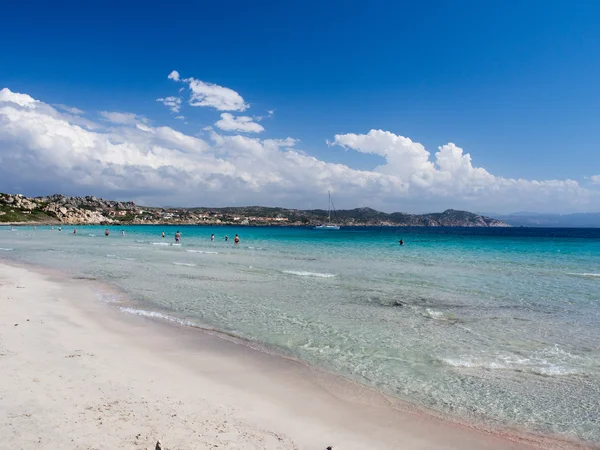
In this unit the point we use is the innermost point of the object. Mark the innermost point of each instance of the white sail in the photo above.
(328, 225)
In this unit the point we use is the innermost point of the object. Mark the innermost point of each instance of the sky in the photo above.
(401, 106)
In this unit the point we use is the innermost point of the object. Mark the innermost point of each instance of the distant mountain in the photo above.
(528, 219)
(89, 210)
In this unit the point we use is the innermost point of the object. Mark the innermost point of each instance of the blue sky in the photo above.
(514, 84)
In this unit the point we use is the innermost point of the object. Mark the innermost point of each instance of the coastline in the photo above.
(249, 392)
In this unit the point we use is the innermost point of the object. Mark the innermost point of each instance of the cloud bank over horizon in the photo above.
(46, 149)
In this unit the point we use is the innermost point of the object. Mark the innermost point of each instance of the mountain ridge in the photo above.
(57, 208)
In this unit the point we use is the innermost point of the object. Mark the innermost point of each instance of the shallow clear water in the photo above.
(490, 325)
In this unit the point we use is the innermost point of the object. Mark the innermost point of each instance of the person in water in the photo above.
(212, 237)
(401, 241)
(122, 232)
(226, 238)
(74, 230)
(106, 232)
(177, 237)
(236, 239)
(163, 234)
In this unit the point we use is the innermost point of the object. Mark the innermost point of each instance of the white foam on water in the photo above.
(433, 314)
(301, 273)
(157, 315)
(91, 235)
(184, 264)
(585, 274)
(202, 251)
(160, 243)
(6, 249)
(548, 362)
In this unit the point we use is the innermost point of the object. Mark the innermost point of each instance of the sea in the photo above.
(492, 326)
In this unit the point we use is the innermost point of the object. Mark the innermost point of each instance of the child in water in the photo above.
(177, 237)
(236, 239)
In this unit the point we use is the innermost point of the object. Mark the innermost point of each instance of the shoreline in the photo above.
(369, 416)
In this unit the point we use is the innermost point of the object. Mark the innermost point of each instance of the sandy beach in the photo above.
(78, 373)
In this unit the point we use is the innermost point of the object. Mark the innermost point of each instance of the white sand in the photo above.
(79, 374)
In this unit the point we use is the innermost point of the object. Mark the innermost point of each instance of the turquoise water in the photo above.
(494, 326)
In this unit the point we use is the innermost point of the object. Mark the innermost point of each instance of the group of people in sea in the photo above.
(236, 238)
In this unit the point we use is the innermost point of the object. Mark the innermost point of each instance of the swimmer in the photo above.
(177, 237)
(401, 242)
(212, 237)
(163, 234)
(226, 238)
(236, 239)
(74, 230)
(122, 232)
(59, 228)
(106, 232)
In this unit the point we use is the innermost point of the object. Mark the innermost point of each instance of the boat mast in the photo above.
(329, 211)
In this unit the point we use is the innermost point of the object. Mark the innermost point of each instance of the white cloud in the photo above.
(595, 179)
(123, 118)
(244, 124)
(69, 109)
(209, 94)
(44, 150)
(180, 117)
(173, 103)
(24, 100)
(215, 96)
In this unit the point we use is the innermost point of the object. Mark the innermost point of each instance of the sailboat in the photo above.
(328, 225)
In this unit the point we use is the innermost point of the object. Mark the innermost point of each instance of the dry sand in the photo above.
(79, 374)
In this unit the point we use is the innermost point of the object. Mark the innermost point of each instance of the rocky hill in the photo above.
(15, 208)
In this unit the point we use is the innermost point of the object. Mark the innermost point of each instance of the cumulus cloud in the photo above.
(595, 179)
(46, 150)
(7, 96)
(173, 103)
(180, 117)
(174, 76)
(245, 124)
(123, 118)
(212, 95)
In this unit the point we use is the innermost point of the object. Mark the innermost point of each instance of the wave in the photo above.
(202, 251)
(91, 235)
(547, 362)
(160, 243)
(301, 273)
(184, 264)
(585, 274)
(6, 249)
(157, 315)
